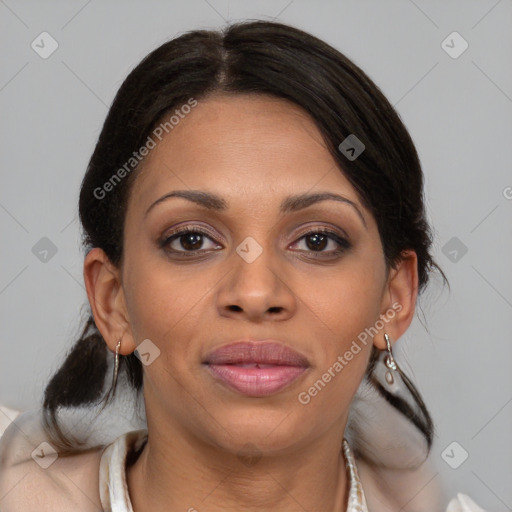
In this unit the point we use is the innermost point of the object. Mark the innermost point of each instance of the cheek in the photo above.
(342, 331)
(345, 304)
(346, 299)
(342, 353)
(164, 302)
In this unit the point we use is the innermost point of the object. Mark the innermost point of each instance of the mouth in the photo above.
(256, 369)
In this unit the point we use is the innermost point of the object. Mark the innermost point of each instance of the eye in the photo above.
(187, 240)
(318, 239)
(190, 240)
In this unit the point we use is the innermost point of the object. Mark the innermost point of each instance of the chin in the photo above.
(268, 429)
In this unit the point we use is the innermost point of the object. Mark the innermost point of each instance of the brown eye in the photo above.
(190, 239)
(319, 239)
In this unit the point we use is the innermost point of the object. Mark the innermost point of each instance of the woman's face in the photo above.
(255, 275)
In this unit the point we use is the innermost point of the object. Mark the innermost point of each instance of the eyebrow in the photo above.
(288, 205)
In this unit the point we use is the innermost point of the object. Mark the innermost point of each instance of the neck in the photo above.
(179, 474)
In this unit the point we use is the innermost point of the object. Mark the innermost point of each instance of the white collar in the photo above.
(114, 493)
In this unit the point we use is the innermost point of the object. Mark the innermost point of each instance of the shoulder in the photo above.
(388, 490)
(417, 490)
(33, 477)
(463, 503)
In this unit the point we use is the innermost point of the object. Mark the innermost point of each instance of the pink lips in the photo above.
(256, 368)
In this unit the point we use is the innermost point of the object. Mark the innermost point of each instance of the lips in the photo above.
(256, 368)
(264, 352)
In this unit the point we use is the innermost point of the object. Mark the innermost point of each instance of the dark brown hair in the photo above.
(251, 57)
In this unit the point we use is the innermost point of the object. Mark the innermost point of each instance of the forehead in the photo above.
(250, 148)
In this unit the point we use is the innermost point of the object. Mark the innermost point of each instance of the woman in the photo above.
(256, 240)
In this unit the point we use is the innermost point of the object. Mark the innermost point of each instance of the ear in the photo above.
(106, 297)
(399, 298)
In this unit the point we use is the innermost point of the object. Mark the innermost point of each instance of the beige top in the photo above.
(114, 489)
(115, 497)
(89, 481)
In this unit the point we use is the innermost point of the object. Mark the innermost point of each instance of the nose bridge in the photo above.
(254, 284)
(254, 265)
(255, 242)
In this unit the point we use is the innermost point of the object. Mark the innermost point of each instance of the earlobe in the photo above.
(106, 297)
(399, 299)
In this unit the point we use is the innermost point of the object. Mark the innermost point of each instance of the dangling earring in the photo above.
(388, 422)
(385, 373)
(110, 395)
(114, 376)
(116, 365)
(390, 362)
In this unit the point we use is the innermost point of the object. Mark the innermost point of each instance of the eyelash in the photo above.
(331, 235)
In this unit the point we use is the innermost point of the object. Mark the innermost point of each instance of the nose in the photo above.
(257, 290)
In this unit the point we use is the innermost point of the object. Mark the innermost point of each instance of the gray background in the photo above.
(458, 111)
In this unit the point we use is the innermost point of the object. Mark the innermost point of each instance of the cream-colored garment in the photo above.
(115, 497)
(82, 482)
(114, 493)
(7, 415)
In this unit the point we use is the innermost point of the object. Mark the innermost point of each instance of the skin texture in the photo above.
(253, 151)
